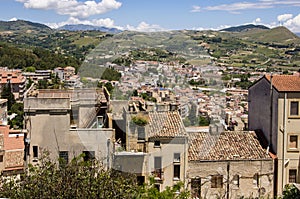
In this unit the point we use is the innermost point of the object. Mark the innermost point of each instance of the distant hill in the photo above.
(22, 26)
(298, 34)
(83, 27)
(244, 28)
(278, 35)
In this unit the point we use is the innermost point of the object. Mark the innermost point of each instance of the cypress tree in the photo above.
(7, 94)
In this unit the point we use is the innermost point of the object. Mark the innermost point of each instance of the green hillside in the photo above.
(278, 35)
(22, 26)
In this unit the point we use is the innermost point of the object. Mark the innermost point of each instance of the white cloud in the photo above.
(244, 5)
(196, 9)
(293, 24)
(284, 17)
(107, 22)
(257, 21)
(238, 6)
(13, 19)
(144, 27)
(73, 8)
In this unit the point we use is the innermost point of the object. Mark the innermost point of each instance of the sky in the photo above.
(156, 15)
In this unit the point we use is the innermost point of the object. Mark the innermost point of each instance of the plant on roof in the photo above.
(140, 119)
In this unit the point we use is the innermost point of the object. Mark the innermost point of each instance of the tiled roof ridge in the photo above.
(288, 83)
(165, 124)
(229, 145)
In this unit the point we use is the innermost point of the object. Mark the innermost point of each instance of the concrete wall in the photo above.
(166, 152)
(244, 169)
(259, 117)
(48, 125)
(143, 163)
(31, 104)
(287, 125)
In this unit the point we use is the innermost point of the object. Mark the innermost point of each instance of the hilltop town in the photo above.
(218, 114)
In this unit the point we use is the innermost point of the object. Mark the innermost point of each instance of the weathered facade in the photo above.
(11, 150)
(155, 149)
(67, 123)
(228, 165)
(274, 111)
(17, 82)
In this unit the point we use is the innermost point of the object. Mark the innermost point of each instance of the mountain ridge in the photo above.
(84, 27)
(244, 28)
(19, 25)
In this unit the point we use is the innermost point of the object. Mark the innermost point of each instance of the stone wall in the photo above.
(245, 185)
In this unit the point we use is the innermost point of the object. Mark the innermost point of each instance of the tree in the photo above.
(291, 192)
(7, 94)
(203, 121)
(17, 121)
(78, 179)
(81, 179)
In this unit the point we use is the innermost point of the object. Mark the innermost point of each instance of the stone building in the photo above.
(67, 123)
(11, 151)
(274, 111)
(228, 165)
(156, 148)
(11, 145)
(17, 82)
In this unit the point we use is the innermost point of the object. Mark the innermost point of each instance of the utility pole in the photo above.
(228, 180)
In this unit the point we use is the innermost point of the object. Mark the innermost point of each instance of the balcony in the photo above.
(158, 175)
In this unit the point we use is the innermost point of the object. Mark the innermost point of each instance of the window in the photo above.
(217, 181)
(88, 155)
(292, 176)
(176, 157)
(256, 180)
(293, 142)
(158, 167)
(156, 143)
(294, 108)
(176, 172)
(236, 180)
(141, 133)
(35, 151)
(64, 155)
(1, 158)
(196, 187)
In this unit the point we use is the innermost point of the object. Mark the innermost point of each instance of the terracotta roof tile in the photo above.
(226, 146)
(11, 142)
(288, 83)
(165, 124)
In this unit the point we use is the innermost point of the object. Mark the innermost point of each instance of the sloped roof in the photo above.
(165, 124)
(11, 141)
(228, 145)
(285, 83)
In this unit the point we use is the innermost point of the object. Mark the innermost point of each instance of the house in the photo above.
(16, 80)
(230, 164)
(38, 75)
(11, 151)
(156, 145)
(274, 111)
(68, 123)
(11, 145)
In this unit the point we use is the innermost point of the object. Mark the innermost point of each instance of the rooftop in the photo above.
(229, 145)
(166, 124)
(287, 83)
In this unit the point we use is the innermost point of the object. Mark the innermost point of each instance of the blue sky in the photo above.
(155, 15)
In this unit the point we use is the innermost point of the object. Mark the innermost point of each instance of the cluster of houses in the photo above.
(254, 152)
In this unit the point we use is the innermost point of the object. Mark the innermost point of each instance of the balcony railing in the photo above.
(158, 174)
